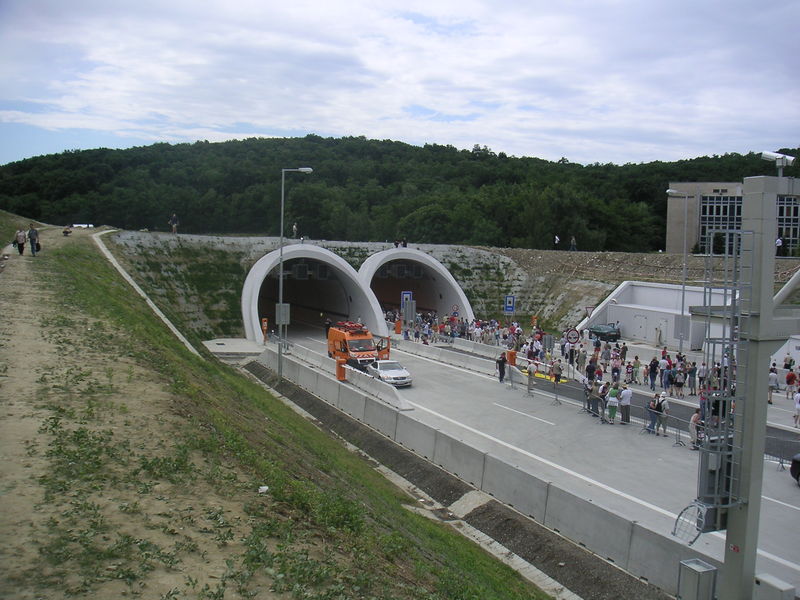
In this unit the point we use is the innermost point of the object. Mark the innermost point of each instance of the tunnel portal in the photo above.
(317, 284)
(391, 272)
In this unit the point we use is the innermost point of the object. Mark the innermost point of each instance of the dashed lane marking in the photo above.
(519, 412)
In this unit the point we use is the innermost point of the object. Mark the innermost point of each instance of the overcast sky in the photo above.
(604, 81)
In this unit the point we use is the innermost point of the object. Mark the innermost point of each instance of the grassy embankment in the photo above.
(163, 502)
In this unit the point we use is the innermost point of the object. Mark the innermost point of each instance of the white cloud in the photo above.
(617, 81)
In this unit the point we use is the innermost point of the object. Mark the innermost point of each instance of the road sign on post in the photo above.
(410, 312)
(573, 337)
(282, 314)
(510, 304)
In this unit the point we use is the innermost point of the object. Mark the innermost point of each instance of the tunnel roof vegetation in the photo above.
(364, 190)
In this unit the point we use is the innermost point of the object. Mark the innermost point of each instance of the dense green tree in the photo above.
(364, 189)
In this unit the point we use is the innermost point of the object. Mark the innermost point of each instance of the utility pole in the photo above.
(767, 327)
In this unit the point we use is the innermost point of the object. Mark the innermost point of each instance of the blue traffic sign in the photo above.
(510, 304)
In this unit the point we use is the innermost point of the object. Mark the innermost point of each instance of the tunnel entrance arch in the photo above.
(316, 282)
(397, 270)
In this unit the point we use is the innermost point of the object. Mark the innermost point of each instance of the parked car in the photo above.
(607, 333)
(389, 371)
(795, 468)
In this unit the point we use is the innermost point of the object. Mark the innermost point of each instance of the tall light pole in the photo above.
(677, 194)
(281, 312)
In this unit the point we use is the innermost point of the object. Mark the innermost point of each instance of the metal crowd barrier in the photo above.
(781, 450)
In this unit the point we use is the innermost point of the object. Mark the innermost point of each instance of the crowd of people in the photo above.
(606, 369)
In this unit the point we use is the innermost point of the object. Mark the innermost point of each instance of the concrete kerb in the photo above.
(513, 486)
(415, 436)
(459, 458)
(592, 526)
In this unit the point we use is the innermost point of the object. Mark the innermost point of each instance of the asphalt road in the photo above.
(642, 477)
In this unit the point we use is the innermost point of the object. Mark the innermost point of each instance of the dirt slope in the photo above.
(72, 399)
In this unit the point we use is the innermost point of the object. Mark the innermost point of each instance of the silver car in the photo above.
(389, 371)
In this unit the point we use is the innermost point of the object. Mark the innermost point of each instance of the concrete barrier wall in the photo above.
(478, 348)
(457, 359)
(328, 389)
(352, 401)
(377, 388)
(415, 436)
(511, 485)
(655, 557)
(308, 379)
(459, 458)
(593, 526)
(381, 417)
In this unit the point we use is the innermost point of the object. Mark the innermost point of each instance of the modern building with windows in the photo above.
(715, 206)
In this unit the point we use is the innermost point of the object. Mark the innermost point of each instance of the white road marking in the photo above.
(781, 503)
(591, 481)
(519, 412)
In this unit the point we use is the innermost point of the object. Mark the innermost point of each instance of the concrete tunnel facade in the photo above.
(317, 281)
(397, 270)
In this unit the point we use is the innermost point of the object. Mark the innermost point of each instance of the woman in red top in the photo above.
(791, 383)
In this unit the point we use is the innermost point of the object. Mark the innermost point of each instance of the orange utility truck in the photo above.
(354, 343)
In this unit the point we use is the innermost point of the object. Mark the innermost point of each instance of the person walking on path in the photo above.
(33, 238)
(773, 383)
(173, 222)
(558, 369)
(653, 373)
(501, 366)
(19, 241)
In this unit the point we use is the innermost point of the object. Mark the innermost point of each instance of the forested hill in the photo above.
(363, 190)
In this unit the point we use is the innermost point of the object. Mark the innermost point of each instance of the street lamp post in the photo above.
(676, 193)
(281, 315)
